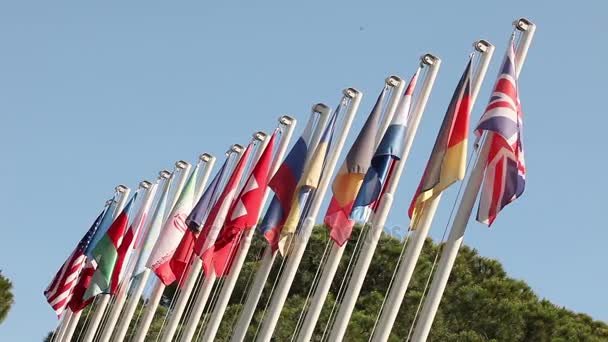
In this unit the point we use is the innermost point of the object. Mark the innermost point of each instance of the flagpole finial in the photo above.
(236, 148)
(164, 174)
(205, 157)
(482, 45)
(180, 164)
(286, 120)
(145, 184)
(321, 108)
(428, 59)
(351, 93)
(523, 24)
(122, 188)
(259, 136)
(393, 81)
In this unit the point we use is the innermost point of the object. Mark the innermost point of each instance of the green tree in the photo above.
(6, 296)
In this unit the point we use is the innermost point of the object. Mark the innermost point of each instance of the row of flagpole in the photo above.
(200, 292)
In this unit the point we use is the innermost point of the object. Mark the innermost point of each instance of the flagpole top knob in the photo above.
(286, 120)
(122, 188)
(523, 24)
(393, 81)
(351, 93)
(206, 157)
(236, 148)
(428, 59)
(180, 164)
(259, 136)
(482, 45)
(164, 174)
(321, 108)
(145, 184)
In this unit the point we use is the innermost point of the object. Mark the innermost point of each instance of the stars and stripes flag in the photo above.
(242, 216)
(447, 163)
(505, 170)
(59, 291)
(283, 184)
(350, 176)
(389, 152)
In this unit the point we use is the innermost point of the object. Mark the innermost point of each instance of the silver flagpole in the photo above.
(419, 233)
(102, 303)
(333, 259)
(159, 287)
(379, 219)
(241, 253)
(459, 225)
(301, 239)
(133, 299)
(202, 294)
(268, 257)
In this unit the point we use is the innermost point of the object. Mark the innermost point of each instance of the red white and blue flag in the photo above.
(505, 172)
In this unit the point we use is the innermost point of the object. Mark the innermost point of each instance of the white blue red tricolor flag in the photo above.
(505, 172)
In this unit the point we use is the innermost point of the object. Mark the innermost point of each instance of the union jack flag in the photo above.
(505, 170)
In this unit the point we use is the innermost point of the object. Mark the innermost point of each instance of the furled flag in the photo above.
(306, 186)
(59, 291)
(126, 246)
(447, 163)
(242, 215)
(505, 170)
(156, 223)
(284, 183)
(183, 254)
(350, 176)
(389, 151)
(105, 253)
(172, 232)
(217, 215)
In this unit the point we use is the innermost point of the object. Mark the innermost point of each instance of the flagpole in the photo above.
(452, 245)
(245, 243)
(202, 294)
(378, 221)
(301, 239)
(159, 287)
(419, 233)
(265, 264)
(333, 259)
(133, 297)
(65, 321)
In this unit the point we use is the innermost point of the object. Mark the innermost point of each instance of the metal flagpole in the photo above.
(243, 248)
(369, 244)
(333, 259)
(142, 279)
(419, 233)
(202, 294)
(65, 321)
(268, 257)
(105, 298)
(159, 287)
(452, 245)
(301, 239)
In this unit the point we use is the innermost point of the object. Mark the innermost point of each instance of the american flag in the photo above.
(505, 173)
(59, 292)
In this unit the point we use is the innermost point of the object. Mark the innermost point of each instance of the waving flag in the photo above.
(59, 291)
(181, 258)
(243, 215)
(284, 183)
(350, 176)
(505, 172)
(306, 187)
(447, 163)
(388, 152)
(173, 230)
(105, 253)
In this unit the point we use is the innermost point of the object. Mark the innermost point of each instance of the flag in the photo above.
(242, 216)
(105, 223)
(181, 258)
(389, 151)
(306, 186)
(284, 183)
(447, 163)
(105, 253)
(217, 215)
(350, 176)
(505, 170)
(59, 291)
(156, 223)
(172, 232)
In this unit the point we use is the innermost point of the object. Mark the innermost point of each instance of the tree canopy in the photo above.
(6, 296)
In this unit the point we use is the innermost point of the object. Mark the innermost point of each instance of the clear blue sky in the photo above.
(96, 95)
